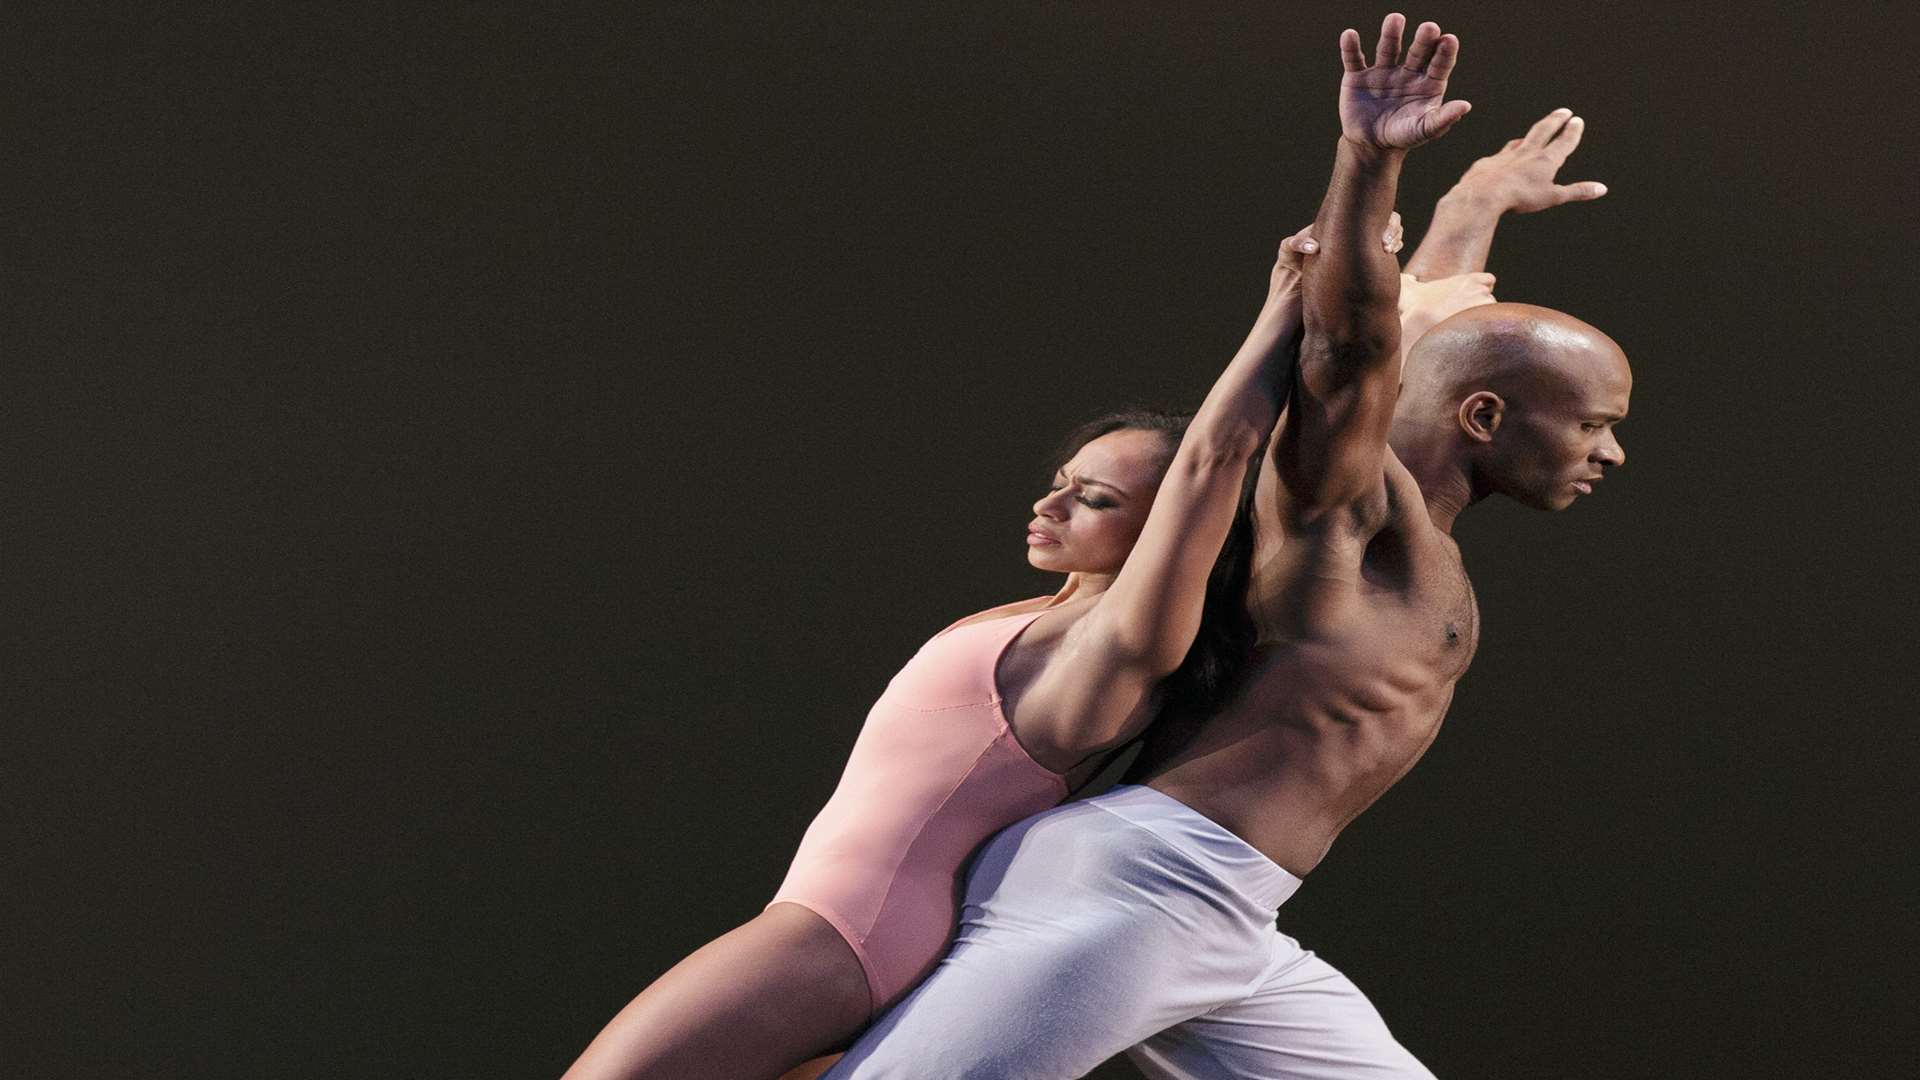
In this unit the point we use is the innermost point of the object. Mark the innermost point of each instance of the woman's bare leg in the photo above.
(812, 1070)
(751, 1004)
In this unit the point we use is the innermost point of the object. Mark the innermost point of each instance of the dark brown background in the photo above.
(469, 472)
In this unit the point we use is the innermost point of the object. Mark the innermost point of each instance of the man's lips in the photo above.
(1585, 487)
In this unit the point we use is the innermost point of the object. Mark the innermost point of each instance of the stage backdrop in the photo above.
(471, 468)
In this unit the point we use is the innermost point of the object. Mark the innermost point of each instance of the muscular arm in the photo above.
(1329, 455)
(1329, 452)
(1518, 179)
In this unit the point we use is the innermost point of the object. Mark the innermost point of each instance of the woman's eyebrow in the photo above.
(1088, 481)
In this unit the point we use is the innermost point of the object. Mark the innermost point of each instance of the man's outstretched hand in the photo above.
(1396, 103)
(1519, 179)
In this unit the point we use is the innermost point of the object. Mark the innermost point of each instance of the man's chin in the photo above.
(1534, 500)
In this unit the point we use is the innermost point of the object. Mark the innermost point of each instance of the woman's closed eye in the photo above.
(1092, 504)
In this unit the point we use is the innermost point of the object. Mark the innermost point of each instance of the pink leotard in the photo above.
(934, 772)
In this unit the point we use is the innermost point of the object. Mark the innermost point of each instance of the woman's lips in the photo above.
(1036, 538)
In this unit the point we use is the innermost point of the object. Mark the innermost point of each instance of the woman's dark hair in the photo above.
(1205, 678)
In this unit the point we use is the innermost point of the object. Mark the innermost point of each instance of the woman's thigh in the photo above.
(752, 1003)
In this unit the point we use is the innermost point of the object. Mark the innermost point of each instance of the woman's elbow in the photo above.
(1223, 447)
(1148, 656)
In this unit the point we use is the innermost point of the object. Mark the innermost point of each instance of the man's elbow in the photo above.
(1354, 318)
(1351, 345)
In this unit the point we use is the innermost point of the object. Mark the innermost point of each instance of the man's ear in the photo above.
(1480, 415)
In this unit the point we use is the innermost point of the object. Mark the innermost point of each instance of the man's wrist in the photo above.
(1369, 154)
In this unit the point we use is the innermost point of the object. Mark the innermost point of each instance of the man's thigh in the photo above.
(1078, 939)
(1029, 1005)
(1305, 1021)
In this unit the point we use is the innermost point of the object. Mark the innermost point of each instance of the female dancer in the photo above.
(991, 721)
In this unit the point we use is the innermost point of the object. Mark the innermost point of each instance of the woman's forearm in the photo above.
(1247, 400)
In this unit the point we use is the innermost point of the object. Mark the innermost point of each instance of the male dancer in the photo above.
(1150, 909)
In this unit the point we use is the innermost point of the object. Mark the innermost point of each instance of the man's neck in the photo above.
(1437, 465)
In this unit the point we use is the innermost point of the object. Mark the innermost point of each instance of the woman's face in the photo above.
(1088, 520)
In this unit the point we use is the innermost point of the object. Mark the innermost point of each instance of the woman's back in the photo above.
(935, 771)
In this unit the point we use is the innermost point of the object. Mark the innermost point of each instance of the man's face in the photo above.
(1562, 444)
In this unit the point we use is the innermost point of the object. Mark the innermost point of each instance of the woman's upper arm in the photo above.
(1151, 612)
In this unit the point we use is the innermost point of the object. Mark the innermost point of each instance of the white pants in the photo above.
(1127, 919)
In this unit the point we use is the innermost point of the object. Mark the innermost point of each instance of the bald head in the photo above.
(1524, 398)
(1518, 351)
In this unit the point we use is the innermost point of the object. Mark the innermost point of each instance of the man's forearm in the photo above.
(1460, 236)
(1352, 286)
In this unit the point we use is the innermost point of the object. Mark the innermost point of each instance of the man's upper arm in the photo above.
(1330, 451)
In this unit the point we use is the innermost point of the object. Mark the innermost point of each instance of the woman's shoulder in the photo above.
(1004, 611)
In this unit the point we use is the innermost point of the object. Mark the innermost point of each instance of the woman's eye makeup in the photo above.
(1095, 504)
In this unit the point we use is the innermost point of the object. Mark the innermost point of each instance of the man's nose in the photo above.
(1611, 453)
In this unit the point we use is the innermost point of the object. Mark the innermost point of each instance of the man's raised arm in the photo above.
(1331, 449)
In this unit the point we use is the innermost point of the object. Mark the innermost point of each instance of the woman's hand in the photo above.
(1425, 304)
(1519, 178)
(1285, 280)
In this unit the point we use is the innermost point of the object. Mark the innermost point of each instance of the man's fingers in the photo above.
(1438, 122)
(1351, 58)
(1421, 51)
(1544, 129)
(1387, 52)
(1581, 192)
(1564, 143)
(1445, 53)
